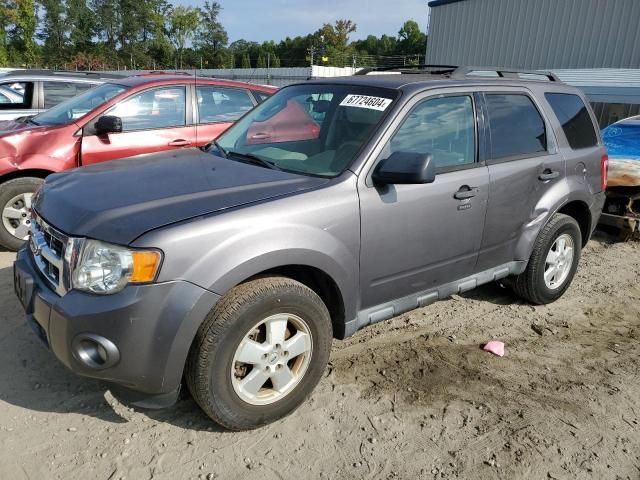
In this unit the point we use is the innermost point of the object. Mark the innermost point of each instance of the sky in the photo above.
(260, 20)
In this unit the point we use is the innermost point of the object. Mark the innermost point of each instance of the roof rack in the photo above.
(463, 72)
(66, 73)
(456, 72)
(431, 69)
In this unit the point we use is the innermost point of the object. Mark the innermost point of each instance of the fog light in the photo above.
(94, 351)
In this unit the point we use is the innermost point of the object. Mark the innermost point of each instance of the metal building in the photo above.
(592, 44)
(535, 34)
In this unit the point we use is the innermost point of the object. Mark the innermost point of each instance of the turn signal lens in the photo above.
(145, 266)
(605, 171)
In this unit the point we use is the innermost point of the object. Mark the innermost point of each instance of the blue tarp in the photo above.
(622, 139)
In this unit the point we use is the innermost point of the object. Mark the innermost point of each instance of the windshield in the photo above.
(308, 129)
(78, 106)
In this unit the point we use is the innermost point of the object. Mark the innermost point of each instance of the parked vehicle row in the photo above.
(29, 92)
(122, 117)
(622, 208)
(332, 205)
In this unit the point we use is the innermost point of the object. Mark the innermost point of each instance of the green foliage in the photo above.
(211, 37)
(246, 61)
(183, 24)
(156, 34)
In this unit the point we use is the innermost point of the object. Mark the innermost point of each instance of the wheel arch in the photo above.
(321, 283)
(580, 212)
(27, 172)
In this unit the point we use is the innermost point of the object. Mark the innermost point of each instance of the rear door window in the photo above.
(17, 95)
(574, 118)
(516, 126)
(219, 104)
(58, 92)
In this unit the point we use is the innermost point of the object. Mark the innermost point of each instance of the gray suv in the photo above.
(333, 205)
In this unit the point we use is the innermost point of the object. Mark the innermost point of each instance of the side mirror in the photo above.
(405, 168)
(108, 124)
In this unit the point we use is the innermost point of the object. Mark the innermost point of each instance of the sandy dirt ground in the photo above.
(411, 398)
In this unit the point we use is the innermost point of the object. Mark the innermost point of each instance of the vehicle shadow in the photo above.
(33, 379)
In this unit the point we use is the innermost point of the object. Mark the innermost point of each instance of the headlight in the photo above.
(105, 269)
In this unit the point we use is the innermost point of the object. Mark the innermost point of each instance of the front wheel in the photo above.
(15, 204)
(553, 262)
(260, 352)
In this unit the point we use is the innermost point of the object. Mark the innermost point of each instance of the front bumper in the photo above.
(152, 327)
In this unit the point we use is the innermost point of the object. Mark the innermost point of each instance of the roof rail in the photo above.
(421, 68)
(463, 72)
(455, 72)
(69, 73)
(162, 72)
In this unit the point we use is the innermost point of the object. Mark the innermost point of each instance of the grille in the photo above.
(48, 247)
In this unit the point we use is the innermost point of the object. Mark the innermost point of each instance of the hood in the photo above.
(16, 125)
(120, 200)
(13, 125)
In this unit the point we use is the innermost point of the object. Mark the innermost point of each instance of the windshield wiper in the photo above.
(32, 121)
(251, 158)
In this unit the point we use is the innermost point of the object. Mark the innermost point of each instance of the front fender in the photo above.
(319, 229)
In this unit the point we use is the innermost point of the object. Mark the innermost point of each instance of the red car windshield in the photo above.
(79, 106)
(309, 129)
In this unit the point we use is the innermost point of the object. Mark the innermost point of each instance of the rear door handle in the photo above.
(465, 192)
(181, 142)
(548, 174)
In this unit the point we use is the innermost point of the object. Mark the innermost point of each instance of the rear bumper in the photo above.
(150, 326)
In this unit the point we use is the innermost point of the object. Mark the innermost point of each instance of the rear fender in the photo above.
(560, 194)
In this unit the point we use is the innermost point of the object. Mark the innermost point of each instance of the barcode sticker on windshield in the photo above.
(365, 101)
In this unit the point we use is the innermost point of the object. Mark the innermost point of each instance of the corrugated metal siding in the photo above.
(536, 34)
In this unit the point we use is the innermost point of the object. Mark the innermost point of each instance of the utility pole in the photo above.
(268, 68)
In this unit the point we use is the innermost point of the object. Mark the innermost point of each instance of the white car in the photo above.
(28, 92)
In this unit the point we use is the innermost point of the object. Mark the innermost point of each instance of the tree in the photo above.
(81, 23)
(211, 37)
(246, 61)
(411, 40)
(183, 25)
(107, 17)
(21, 22)
(53, 31)
(275, 61)
(261, 62)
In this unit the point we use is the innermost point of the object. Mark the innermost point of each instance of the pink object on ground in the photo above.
(495, 347)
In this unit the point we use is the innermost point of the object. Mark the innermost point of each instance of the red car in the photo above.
(121, 118)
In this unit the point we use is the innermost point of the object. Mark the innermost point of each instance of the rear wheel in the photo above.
(259, 353)
(15, 204)
(553, 262)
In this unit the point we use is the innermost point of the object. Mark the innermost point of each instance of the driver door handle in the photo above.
(180, 142)
(465, 192)
(260, 136)
(548, 174)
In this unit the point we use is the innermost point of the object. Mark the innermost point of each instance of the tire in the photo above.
(9, 192)
(531, 285)
(215, 350)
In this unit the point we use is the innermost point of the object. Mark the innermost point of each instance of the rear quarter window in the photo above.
(517, 128)
(574, 117)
